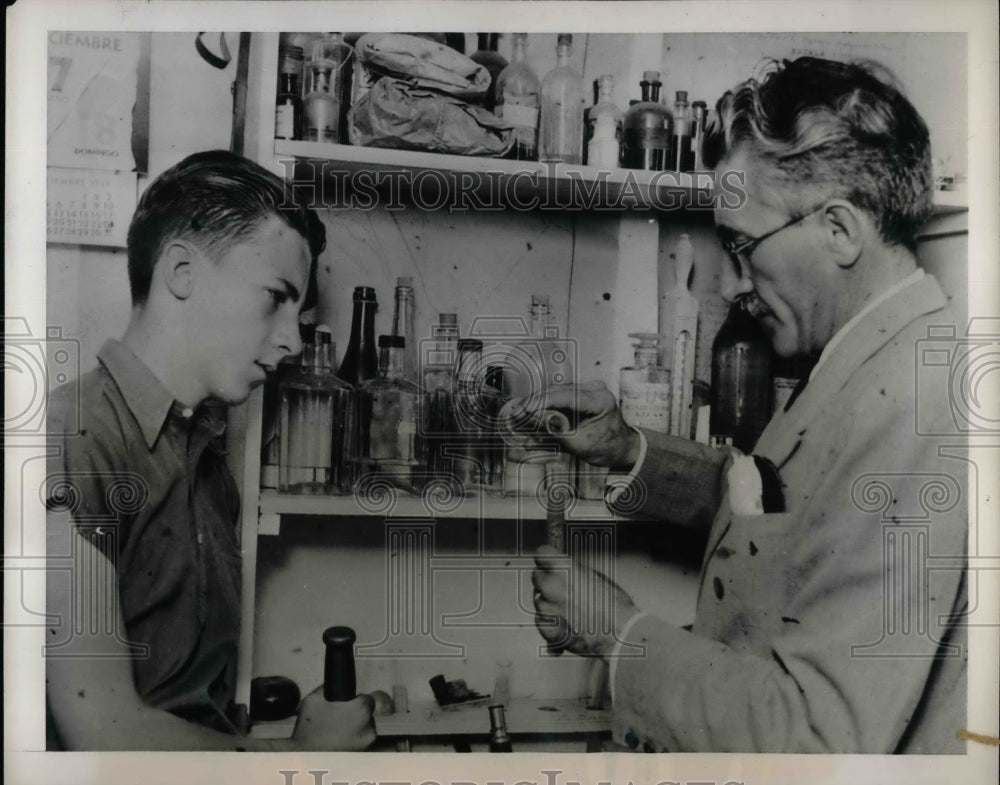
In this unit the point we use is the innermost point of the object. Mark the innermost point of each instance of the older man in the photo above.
(818, 627)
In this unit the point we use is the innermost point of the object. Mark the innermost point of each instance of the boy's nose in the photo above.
(733, 284)
(287, 338)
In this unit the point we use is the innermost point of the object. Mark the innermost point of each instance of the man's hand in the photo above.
(344, 726)
(591, 614)
(600, 435)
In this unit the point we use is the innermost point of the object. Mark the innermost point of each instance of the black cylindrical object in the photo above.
(339, 679)
(360, 360)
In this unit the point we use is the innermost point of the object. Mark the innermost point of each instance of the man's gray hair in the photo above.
(827, 130)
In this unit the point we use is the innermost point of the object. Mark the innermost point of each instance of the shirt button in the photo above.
(187, 413)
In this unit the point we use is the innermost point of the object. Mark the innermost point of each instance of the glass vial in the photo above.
(516, 101)
(680, 145)
(645, 386)
(560, 132)
(647, 128)
(699, 118)
(402, 325)
(741, 381)
(360, 360)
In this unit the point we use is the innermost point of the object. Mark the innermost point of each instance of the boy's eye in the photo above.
(277, 296)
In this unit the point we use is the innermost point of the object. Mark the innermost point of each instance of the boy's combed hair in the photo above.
(213, 198)
(833, 130)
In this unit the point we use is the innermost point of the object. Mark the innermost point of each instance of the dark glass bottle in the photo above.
(499, 738)
(488, 57)
(741, 381)
(360, 360)
(288, 108)
(680, 146)
(647, 128)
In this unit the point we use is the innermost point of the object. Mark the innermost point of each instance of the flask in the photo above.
(605, 127)
(699, 117)
(680, 145)
(499, 738)
(647, 128)
(389, 407)
(560, 131)
(402, 325)
(288, 104)
(314, 407)
(360, 361)
(645, 386)
(322, 100)
(516, 101)
(741, 381)
(488, 57)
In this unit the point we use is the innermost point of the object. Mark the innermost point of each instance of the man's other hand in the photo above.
(339, 725)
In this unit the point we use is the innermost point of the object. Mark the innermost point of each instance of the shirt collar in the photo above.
(915, 277)
(146, 397)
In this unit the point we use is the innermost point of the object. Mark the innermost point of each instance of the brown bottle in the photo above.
(361, 360)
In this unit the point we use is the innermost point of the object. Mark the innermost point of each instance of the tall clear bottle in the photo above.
(360, 360)
(390, 410)
(681, 146)
(741, 381)
(645, 386)
(464, 446)
(647, 128)
(560, 131)
(605, 118)
(402, 325)
(437, 365)
(516, 100)
(314, 408)
(488, 57)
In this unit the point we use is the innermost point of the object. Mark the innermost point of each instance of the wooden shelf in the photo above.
(426, 718)
(274, 505)
(468, 182)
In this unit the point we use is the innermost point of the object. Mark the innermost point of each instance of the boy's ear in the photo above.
(176, 267)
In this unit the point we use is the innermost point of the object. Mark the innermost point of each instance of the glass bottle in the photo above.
(499, 738)
(647, 128)
(360, 360)
(516, 101)
(464, 444)
(699, 117)
(389, 408)
(605, 127)
(680, 145)
(488, 57)
(402, 325)
(741, 381)
(560, 130)
(645, 386)
(270, 454)
(494, 395)
(314, 407)
(322, 100)
(437, 365)
(288, 104)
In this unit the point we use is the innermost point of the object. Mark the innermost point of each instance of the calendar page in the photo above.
(88, 206)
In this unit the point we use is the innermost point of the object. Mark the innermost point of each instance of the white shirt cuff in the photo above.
(617, 650)
(615, 489)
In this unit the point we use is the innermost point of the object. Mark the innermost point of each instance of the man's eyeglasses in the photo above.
(739, 253)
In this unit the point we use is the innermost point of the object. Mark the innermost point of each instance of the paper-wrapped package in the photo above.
(422, 63)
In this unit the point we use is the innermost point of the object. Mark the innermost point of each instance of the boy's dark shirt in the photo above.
(152, 490)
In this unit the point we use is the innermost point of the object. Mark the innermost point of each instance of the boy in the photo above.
(141, 498)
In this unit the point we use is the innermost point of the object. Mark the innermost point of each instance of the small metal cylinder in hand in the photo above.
(339, 679)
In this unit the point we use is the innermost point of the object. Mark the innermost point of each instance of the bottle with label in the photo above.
(360, 361)
(288, 104)
(488, 57)
(647, 128)
(516, 101)
(402, 325)
(645, 386)
(389, 407)
(499, 738)
(322, 100)
(680, 146)
(741, 381)
(605, 127)
(314, 408)
(560, 130)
